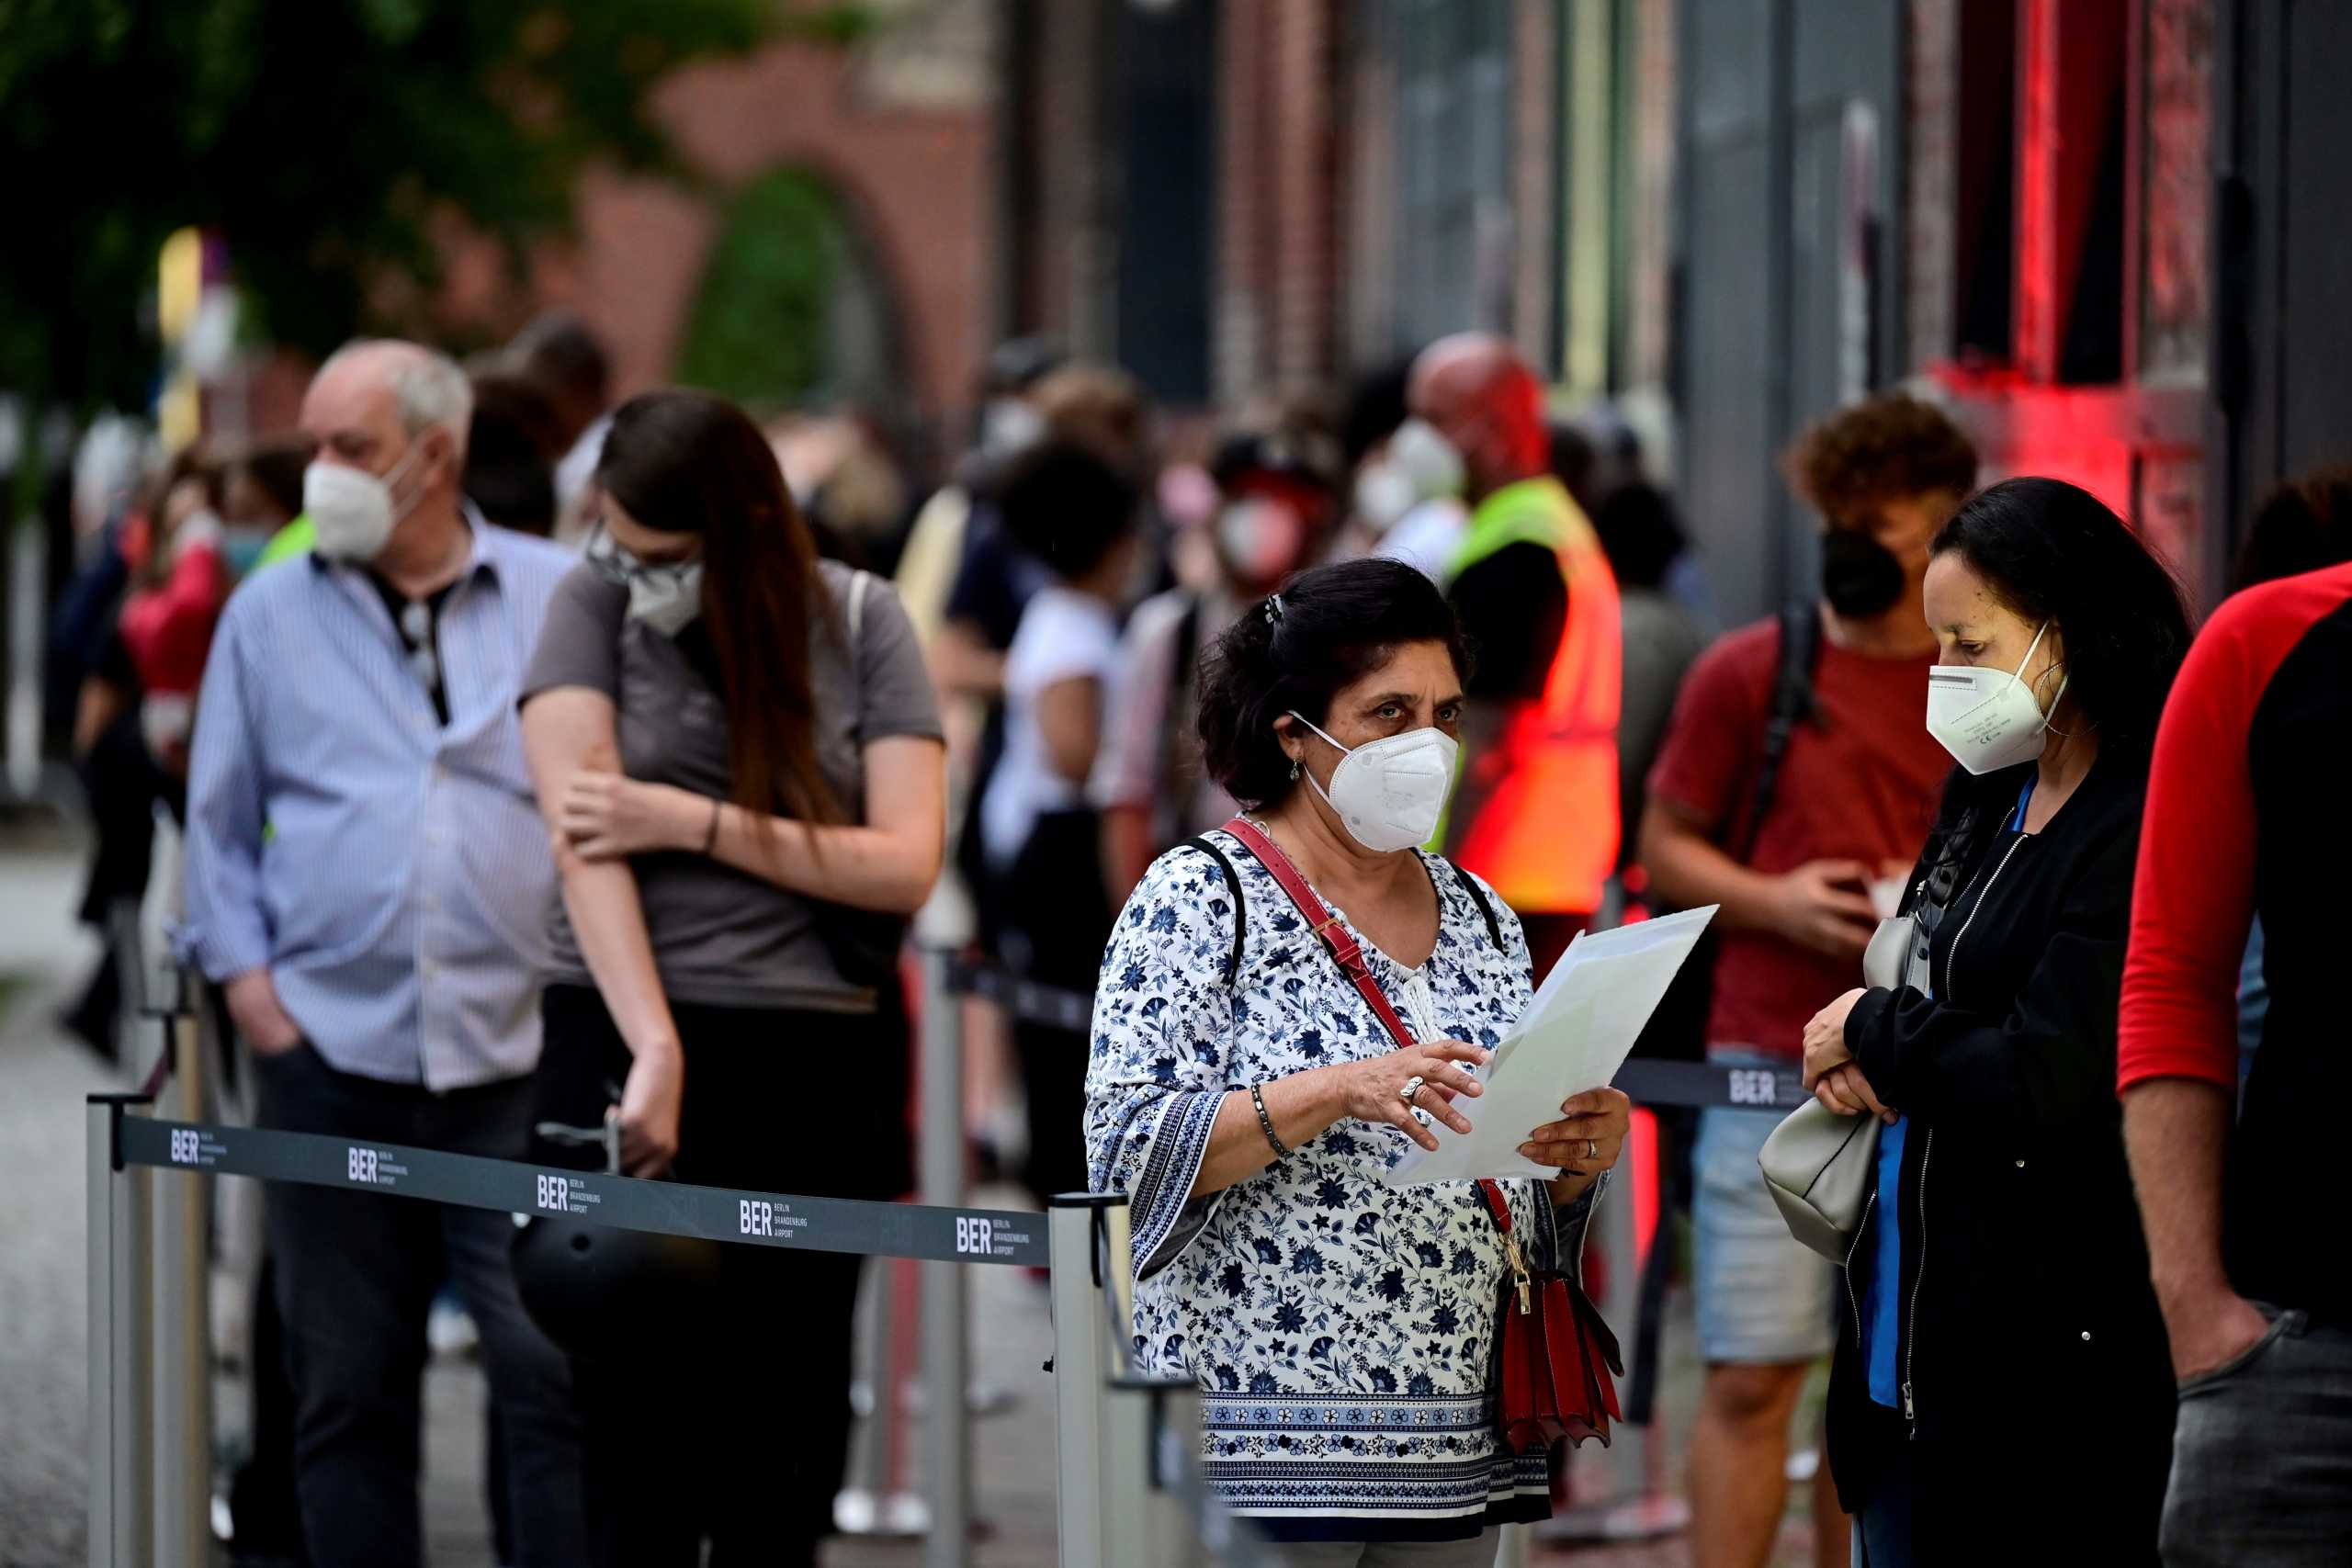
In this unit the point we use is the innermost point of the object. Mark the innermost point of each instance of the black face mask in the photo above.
(1859, 577)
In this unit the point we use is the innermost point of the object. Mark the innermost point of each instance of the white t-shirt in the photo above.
(1151, 750)
(1427, 536)
(1064, 635)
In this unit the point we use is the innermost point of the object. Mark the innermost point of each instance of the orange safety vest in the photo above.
(1536, 811)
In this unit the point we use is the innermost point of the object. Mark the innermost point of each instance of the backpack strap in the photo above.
(1792, 705)
(858, 581)
(1485, 905)
(1240, 905)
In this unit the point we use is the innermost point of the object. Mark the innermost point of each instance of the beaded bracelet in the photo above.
(1266, 1122)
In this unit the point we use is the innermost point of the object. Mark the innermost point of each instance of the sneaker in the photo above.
(449, 1330)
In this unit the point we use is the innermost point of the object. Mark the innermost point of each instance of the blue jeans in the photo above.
(355, 1275)
(1883, 1529)
(2262, 1455)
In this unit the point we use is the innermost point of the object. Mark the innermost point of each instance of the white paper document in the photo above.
(1575, 1034)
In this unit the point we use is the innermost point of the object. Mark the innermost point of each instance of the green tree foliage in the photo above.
(325, 139)
(758, 327)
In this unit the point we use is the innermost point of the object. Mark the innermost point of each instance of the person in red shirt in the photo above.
(2246, 816)
(1801, 889)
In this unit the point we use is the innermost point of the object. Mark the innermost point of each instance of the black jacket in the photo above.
(2030, 1344)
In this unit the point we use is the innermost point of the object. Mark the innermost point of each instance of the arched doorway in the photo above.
(793, 309)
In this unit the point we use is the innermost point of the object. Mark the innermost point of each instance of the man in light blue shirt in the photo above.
(369, 879)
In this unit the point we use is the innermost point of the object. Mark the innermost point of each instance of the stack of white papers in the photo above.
(1575, 1034)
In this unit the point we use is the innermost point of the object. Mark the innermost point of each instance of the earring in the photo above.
(1293, 770)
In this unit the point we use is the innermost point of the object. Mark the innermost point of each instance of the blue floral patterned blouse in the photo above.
(1341, 1330)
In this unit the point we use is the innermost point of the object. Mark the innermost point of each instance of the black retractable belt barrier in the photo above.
(666, 1208)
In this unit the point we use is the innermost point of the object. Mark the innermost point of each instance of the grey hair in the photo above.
(429, 389)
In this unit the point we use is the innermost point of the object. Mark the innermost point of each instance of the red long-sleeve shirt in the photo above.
(2246, 813)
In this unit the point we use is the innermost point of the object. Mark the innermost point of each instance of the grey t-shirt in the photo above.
(721, 936)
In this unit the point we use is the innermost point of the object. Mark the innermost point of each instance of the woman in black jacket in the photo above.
(2001, 1389)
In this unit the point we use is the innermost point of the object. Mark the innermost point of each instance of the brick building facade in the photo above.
(896, 128)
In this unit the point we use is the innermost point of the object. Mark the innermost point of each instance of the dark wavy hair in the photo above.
(1067, 506)
(2051, 551)
(687, 462)
(1337, 623)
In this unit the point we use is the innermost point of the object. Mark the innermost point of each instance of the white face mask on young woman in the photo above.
(1390, 791)
(1987, 718)
(665, 595)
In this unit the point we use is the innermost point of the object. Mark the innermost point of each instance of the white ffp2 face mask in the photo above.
(1390, 791)
(1987, 718)
(352, 509)
(665, 595)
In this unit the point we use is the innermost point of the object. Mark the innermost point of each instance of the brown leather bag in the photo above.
(1558, 1359)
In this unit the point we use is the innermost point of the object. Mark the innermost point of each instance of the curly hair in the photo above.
(1335, 624)
(1880, 449)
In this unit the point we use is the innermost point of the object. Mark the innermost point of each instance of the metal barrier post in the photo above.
(124, 942)
(120, 1470)
(1140, 1521)
(946, 1344)
(182, 1342)
(1082, 1359)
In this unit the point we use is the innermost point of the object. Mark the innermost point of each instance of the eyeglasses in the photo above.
(619, 565)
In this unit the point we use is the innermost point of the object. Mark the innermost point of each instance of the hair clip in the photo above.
(1274, 610)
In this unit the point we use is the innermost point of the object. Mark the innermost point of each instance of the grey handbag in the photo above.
(1820, 1167)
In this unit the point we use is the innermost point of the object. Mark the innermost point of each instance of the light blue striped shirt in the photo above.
(400, 894)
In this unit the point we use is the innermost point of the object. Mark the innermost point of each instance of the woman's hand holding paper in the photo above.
(1584, 1142)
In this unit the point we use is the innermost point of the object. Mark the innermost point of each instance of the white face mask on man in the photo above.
(1391, 792)
(1988, 719)
(1420, 464)
(352, 509)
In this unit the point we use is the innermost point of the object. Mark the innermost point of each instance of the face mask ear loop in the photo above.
(402, 509)
(2018, 673)
(1343, 751)
(2019, 676)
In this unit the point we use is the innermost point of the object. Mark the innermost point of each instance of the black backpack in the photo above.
(1677, 1031)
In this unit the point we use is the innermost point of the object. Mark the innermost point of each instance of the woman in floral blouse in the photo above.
(1245, 1098)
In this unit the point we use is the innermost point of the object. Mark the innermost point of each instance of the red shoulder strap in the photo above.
(1325, 925)
(1344, 951)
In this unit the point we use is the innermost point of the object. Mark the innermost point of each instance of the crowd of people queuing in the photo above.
(548, 763)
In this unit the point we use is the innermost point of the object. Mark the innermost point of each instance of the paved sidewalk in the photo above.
(43, 1077)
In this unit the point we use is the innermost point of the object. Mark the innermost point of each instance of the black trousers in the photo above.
(1057, 919)
(356, 1276)
(737, 1433)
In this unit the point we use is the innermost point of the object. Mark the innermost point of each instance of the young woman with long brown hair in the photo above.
(737, 751)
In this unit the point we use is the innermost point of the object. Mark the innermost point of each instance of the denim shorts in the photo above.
(1762, 1297)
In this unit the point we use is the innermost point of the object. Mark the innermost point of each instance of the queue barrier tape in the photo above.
(1647, 1081)
(664, 1208)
